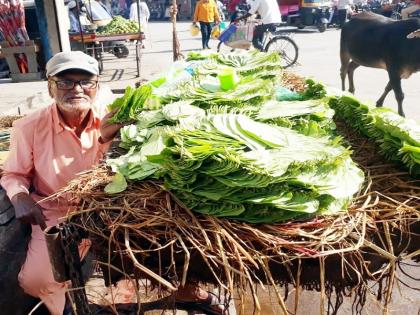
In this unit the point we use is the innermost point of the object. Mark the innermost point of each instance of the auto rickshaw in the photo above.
(303, 13)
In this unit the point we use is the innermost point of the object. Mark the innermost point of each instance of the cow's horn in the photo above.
(414, 34)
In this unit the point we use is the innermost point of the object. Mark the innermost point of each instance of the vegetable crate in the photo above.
(30, 50)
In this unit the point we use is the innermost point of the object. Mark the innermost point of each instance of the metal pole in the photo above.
(138, 45)
(80, 26)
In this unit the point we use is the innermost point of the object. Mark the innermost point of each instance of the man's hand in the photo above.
(109, 130)
(27, 210)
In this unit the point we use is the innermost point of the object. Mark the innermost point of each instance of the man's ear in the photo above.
(50, 89)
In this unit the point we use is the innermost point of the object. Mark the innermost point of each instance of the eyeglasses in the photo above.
(69, 84)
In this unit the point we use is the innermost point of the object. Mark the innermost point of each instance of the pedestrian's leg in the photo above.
(258, 36)
(209, 27)
(203, 34)
(342, 15)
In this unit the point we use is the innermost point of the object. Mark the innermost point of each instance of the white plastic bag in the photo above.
(242, 38)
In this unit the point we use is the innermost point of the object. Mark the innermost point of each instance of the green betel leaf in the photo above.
(117, 185)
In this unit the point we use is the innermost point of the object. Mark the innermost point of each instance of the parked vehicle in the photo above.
(99, 16)
(302, 13)
(396, 12)
(277, 38)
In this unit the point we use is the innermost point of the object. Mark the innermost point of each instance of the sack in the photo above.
(242, 37)
(194, 29)
(14, 239)
(284, 94)
(215, 32)
(227, 33)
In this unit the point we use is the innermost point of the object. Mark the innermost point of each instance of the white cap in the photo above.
(71, 60)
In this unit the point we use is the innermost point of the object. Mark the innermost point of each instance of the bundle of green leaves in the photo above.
(232, 166)
(398, 137)
(131, 104)
(310, 117)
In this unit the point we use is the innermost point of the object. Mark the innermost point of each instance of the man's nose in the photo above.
(77, 86)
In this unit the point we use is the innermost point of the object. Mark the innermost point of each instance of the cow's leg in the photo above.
(345, 60)
(388, 88)
(352, 66)
(395, 80)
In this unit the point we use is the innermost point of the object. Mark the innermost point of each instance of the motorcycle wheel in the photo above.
(322, 27)
(120, 51)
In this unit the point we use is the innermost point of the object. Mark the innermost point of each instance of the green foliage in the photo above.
(119, 25)
(398, 138)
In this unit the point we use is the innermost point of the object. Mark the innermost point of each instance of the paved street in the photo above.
(318, 58)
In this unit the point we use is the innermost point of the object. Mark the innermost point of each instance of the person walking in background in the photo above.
(270, 16)
(343, 9)
(144, 16)
(232, 9)
(144, 13)
(413, 7)
(206, 13)
(221, 8)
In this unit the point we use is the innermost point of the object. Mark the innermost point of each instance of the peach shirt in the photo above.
(46, 154)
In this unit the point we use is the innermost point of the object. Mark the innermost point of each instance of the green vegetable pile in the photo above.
(241, 153)
(131, 104)
(398, 138)
(119, 25)
(229, 165)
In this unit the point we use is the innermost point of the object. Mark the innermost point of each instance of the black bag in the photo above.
(14, 239)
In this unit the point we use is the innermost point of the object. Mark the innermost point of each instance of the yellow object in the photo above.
(215, 32)
(3, 156)
(195, 30)
(206, 12)
(227, 78)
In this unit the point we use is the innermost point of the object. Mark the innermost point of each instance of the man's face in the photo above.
(73, 90)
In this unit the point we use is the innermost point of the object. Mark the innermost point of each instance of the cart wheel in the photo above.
(287, 49)
(120, 51)
(322, 27)
(222, 48)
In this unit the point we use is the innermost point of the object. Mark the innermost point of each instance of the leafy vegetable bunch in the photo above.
(398, 138)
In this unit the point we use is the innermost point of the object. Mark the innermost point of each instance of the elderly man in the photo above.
(47, 150)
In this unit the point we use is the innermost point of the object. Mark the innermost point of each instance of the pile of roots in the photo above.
(146, 232)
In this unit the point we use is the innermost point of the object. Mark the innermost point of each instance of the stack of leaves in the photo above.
(398, 138)
(310, 117)
(229, 165)
(205, 92)
(266, 65)
(131, 104)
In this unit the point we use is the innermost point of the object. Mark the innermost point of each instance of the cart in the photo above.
(94, 45)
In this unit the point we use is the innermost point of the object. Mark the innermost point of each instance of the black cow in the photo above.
(372, 40)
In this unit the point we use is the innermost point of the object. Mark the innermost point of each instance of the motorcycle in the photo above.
(396, 12)
(310, 12)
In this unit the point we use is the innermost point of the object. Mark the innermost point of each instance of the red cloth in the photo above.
(232, 5)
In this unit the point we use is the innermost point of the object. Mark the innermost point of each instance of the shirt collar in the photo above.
(59, 124)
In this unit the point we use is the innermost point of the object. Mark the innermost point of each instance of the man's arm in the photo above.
(16, 179)
(197, 8)
(133, 10)
(216, 13)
